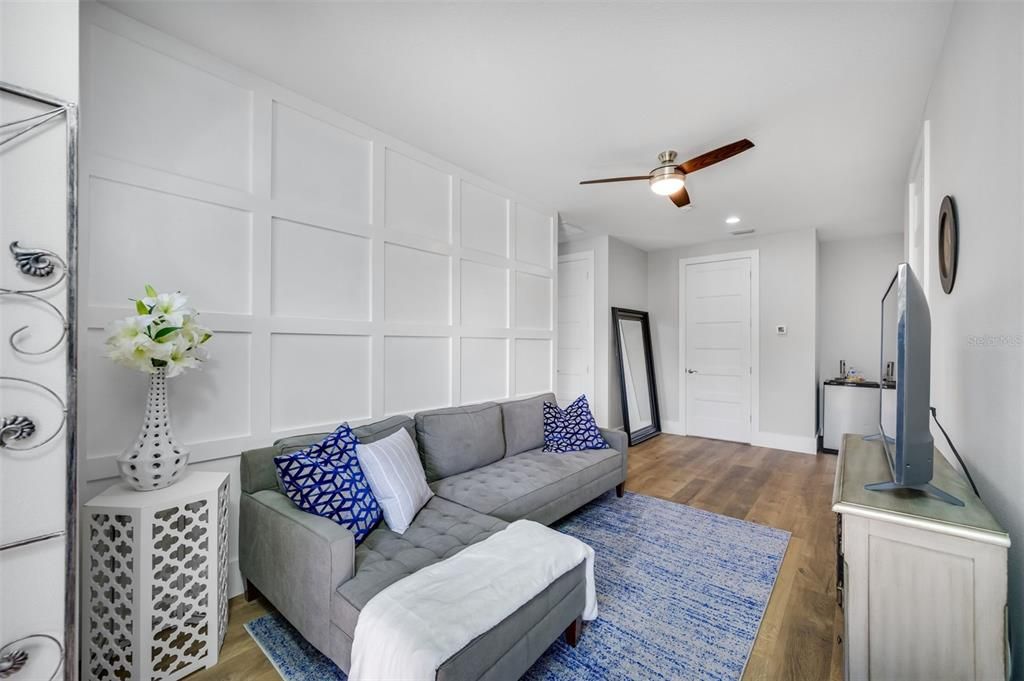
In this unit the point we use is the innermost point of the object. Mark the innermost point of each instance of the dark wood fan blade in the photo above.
(714, 156)
(617, 179)
(680, 198)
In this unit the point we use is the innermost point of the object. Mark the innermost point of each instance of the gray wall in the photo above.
(627, 287)
(976, 144)
(787, 291)
(853, 274)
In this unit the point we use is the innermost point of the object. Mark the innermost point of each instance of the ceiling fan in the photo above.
(669, 179)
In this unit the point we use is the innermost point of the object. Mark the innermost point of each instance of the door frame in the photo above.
(755, 322)
(591, 347)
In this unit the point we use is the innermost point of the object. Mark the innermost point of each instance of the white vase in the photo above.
(156, 459)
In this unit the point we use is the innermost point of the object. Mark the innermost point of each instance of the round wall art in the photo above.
(949, 243)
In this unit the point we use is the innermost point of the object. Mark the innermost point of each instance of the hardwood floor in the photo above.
(798, 636)
(798, 639)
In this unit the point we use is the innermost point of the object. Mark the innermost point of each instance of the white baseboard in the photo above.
(673, 427)
(805, 444)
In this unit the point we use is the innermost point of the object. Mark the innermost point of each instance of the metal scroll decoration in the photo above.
(21, 431)
(40, 264)
(14, 656)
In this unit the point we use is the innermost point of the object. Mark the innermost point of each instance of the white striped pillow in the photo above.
(393, 469)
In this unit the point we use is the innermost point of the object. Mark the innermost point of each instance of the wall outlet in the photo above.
(780, 329)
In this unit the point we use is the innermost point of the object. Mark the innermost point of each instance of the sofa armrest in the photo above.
(619, 440)
(295, 559)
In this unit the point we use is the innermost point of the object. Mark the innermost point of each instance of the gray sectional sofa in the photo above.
(485, 465)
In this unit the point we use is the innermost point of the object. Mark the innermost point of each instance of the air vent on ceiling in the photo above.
(742, 232)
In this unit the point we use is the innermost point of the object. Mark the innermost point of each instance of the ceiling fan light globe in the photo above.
(667, 184)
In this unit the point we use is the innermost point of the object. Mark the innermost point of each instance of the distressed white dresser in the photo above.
(156, 579)
(922, 582)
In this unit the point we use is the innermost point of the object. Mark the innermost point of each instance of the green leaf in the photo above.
(150, 291)
(165, 331)
(159, 362)
(206, 337)
(141, 308)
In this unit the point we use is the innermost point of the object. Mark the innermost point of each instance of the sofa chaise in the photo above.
(485, 465)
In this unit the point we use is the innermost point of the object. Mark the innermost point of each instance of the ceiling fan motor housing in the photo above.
(667, 178)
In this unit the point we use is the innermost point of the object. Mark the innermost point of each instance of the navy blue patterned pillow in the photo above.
(571, 429)
(325, 479)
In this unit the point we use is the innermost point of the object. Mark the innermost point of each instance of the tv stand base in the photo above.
(927, 488)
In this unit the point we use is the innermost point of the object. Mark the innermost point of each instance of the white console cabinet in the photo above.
(922, 583)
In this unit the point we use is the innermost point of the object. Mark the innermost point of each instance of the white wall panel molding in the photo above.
(418, 198)
(417, 373)
(346, 275)
(485, 295)
(318, 378)
(484, 373)
(206, 119)
(533, 236)
(533, 359)
(417, 286)
(139, 235)
(317, 162)
(534, 302)
(484, 220)
(317, 272)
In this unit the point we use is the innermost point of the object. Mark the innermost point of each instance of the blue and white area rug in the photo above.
(681, 594)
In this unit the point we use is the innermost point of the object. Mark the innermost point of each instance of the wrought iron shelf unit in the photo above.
(20, 432)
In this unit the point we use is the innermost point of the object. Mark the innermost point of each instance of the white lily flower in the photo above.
(179, 358)
(171, 306)
(193, 332)
(138, 352)
(129, 328)
(167, 333)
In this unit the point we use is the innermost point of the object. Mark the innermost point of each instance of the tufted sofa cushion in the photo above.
(516, 486)
(440, 530)
(524, 423)
(458, 439)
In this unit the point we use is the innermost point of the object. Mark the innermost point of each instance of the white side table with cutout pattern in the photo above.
(156, 579)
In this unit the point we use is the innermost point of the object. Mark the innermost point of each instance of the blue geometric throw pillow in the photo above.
(571, 429)
(325, 479)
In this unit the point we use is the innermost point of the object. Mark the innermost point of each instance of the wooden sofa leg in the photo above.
(251, 593)
(620, 489)
(574, 632)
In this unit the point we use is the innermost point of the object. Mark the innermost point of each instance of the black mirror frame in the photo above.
(646, 433)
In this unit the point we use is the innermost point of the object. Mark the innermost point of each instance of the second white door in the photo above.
(718, 367)
(576, 328)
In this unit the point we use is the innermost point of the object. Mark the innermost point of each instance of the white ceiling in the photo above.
(537, 96)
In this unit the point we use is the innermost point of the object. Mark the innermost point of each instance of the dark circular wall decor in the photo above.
(949, 243)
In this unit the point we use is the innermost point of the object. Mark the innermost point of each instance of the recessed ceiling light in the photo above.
(732, 220)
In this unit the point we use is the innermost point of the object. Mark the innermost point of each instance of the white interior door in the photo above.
(576, 328)
(718, 367)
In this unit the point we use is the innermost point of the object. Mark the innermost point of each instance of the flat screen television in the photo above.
(904, 406)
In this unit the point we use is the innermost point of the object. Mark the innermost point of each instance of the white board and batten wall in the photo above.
(346, 275)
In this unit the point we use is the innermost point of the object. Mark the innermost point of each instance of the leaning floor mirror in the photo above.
(636, 374)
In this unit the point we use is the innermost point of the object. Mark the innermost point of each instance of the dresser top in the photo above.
(862, 462)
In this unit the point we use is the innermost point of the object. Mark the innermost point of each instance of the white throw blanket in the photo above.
(410, 628)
